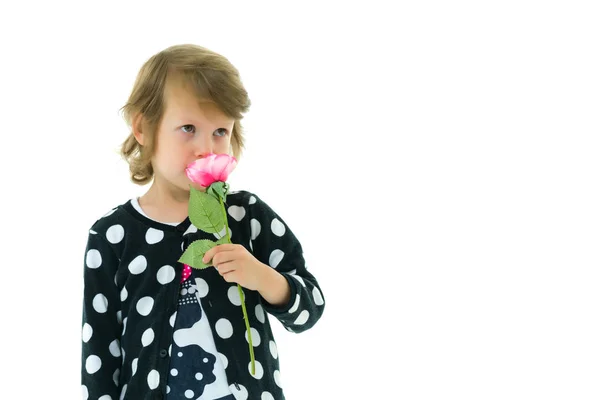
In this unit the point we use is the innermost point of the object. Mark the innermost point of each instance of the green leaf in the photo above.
(205, 212)
(218, 190)
(194, 253)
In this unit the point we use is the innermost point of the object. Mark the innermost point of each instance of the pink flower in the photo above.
(210, 169)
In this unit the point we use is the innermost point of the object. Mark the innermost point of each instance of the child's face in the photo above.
(189, 130)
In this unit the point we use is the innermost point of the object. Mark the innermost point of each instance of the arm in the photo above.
(298, 300)
(101, 329)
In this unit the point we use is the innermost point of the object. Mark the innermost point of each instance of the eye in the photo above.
(188, 128)
(223, 131)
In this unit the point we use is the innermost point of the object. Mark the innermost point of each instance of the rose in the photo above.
(207, 213)
(210, 169)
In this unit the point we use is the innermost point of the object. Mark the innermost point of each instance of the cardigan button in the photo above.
(163, 353)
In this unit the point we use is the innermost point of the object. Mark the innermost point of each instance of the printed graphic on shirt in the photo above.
(192, 367)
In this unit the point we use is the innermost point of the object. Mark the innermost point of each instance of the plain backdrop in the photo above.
(437, 160)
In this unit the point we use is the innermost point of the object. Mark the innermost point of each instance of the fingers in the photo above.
(225, 268)
(231, 277)
(219, 249)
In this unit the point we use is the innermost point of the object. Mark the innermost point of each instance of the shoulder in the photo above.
(117, 215)
(252, 202)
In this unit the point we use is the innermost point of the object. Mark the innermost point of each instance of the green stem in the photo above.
(242, 298)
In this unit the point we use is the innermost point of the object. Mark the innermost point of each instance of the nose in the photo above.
(203, 145)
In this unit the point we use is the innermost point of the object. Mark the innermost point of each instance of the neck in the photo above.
(165, 202)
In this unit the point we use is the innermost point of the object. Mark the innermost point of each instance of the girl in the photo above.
(150, 329)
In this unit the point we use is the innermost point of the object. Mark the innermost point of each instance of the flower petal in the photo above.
(200, 177)
(223, 166)
(199, 171)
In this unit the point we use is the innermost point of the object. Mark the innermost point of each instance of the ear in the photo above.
(136, 127)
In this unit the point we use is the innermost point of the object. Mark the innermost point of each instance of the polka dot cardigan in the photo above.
(131, 287)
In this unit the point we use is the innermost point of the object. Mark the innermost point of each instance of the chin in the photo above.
(197, 187)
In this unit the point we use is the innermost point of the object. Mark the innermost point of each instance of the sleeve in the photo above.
(274, 243)
(101, 325)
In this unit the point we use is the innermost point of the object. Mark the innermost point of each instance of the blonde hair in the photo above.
(209, 75)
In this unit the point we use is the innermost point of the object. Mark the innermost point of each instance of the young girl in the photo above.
(152, 330)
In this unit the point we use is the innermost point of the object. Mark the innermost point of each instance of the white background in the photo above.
(438, 161)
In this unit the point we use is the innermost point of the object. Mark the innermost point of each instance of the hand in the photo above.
(236, 264)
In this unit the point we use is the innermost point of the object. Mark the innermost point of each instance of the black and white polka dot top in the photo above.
(132, 286)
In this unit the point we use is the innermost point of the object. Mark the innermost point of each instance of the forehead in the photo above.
(182, 103)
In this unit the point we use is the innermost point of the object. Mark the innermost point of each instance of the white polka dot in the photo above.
(105, 397)
(277, 377)
(115, 234)
(84, 392)
(172, 319)
(154, 236)
(168, 389)
(199, 376)
(109, 213)
(119, 317)
(258, 373)
(255, 337)
(134, 366)
(192, 290)
(260, 313)
(239, 394)
(266, 396)
(234, 296)
(86, 332)
(302, 318)
(147, 337)
(174, 372)
(296, 304)
(124, 294)
(224, 328)
(318, 297)
(123, 392)
(100, 303)
(277, 227)
(124, 325)
(224, 360)
(93, 232)
(252, 200)
(144, 305)
(254, 229)
(183, 292)
(273, 348)
(123, 353)
(237, 212)
(299, 279)
(116, 377)
(92, 364)
(205, 360)
(189, 394)
(165, 274)
(138, 265)
(93, 259)
(115, 348)
(192, 229)
(221, 234)
(250, 243)
(153, 379)
(275, 257)
(170, 349)
(180, 354)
